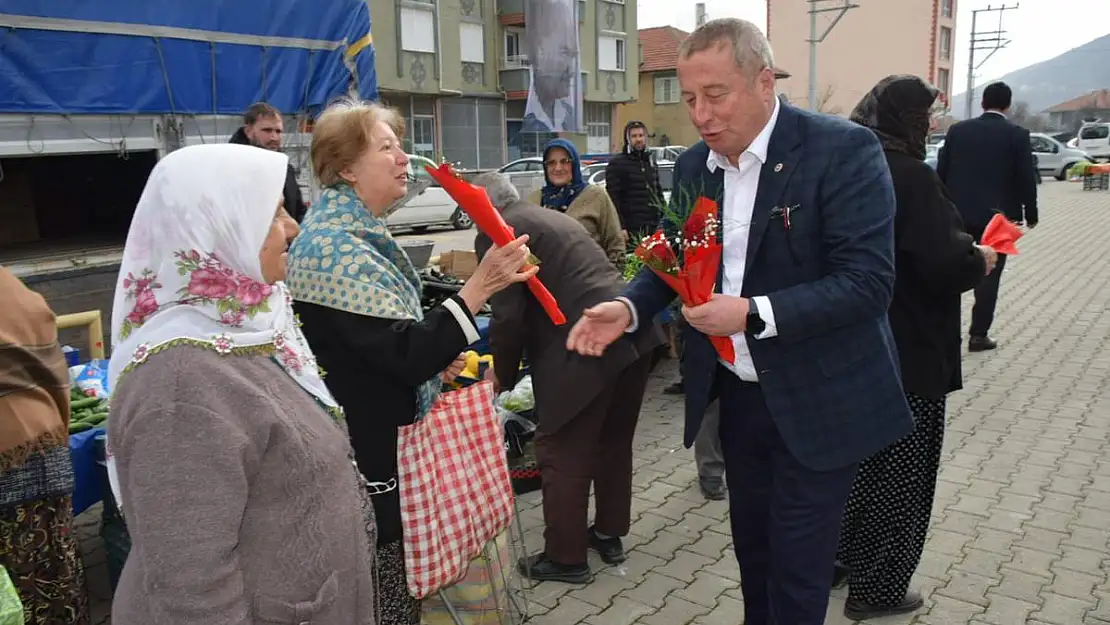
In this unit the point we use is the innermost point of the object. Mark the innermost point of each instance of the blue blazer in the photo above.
(831, 377)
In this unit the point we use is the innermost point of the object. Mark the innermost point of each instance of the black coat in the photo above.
(987, 164)
(632, 181)
(294, 202)
(935, 261)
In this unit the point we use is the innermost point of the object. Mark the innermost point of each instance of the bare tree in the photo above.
(1022, 116)
(824, 100)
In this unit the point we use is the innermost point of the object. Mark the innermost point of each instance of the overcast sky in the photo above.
(1039, 29)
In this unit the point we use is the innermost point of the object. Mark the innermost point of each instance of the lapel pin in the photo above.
(778, 168)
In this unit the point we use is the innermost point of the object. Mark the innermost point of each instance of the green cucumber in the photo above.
(87, 402)
(79, 426)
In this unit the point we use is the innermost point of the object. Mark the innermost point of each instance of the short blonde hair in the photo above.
(341, 134)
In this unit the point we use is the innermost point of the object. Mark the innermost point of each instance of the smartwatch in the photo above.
(756, 325)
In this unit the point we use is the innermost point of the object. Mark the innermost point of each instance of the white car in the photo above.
(666, 179)
(430, 207)
(1055, 158)
(1094, 139)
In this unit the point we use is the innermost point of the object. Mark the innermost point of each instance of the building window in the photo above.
(473, 131)
(418, 30)
(472, 40)
(945, 43)
(666, 90)
(610, 54)
(946, 8)
(419, 113)
(599, 127)
(942, 80)
(515, 56)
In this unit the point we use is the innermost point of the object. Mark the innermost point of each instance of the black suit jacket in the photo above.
(935, 261)
(988, 166)
(576, 271)
(830, 378)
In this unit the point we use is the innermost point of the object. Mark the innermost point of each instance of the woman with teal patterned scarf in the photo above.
(357, 295)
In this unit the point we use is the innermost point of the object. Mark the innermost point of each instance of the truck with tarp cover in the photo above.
(93, 93)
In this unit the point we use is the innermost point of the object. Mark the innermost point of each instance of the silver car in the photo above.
(1055, 158)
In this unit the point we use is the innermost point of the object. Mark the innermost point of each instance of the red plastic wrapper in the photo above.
(475, 202)
(695, 276)
(1001, 234)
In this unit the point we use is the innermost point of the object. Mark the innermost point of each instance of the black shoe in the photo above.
(610, 549)
(841, 573)
(857, 610)
(713, 490)
(539, 568)
(678, 388)
(980, 344)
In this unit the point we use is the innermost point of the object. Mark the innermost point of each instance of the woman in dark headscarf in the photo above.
(565, 190)
(888, 511)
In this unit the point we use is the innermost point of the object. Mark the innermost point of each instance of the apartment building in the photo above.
(458, 71)
(876, 39)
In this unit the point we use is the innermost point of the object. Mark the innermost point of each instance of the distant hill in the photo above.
(1048, 83)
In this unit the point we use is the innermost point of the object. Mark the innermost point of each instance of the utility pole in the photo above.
(816, 7)
(699, 14)
(988, 41)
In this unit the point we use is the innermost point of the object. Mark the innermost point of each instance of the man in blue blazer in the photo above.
(807, 207)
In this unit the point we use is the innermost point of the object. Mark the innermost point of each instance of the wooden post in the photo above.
(91, 320)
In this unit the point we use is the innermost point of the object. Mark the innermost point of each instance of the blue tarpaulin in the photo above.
(182, 56)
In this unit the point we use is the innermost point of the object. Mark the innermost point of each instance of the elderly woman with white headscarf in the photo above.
(232, 459)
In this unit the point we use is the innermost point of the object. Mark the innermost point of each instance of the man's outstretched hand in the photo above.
(598, 328)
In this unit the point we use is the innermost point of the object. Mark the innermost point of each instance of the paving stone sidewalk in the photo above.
(1021, 524)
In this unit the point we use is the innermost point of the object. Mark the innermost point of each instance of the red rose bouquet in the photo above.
(688, 261)
(475, 202)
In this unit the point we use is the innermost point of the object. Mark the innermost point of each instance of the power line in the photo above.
(816, 7)
(989, 41)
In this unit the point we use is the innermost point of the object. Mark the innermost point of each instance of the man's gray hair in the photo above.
(500, 189)
(750, 49)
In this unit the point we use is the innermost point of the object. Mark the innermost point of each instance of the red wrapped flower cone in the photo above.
(694, 278)
(1001, 234)
(475, 202)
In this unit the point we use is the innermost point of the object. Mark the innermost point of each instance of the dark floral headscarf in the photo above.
(898, 110)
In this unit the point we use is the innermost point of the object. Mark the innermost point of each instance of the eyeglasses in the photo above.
(561, 161)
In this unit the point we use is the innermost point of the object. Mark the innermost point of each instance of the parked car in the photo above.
(666, 179)
(666, 153)
(431, 207)
(1055, 158)
(932, 150)
(1094, 139)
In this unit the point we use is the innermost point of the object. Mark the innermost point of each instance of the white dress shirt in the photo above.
(741, 185)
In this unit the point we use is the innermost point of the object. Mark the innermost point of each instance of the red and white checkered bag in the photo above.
(455, 490)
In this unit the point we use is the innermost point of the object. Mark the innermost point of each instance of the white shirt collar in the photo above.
(998, 113)
(758, 147)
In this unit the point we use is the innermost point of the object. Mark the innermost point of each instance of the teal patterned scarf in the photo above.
(346, 259)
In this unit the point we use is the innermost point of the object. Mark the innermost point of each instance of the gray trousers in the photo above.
(707, 447)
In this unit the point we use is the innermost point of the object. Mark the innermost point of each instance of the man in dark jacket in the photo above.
(263, 128)
(987, 165)
(632, 181)
(588, 407)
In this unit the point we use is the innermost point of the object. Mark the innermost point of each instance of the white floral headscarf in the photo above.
(190, 270)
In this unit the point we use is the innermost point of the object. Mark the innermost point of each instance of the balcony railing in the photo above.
(516, 61)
